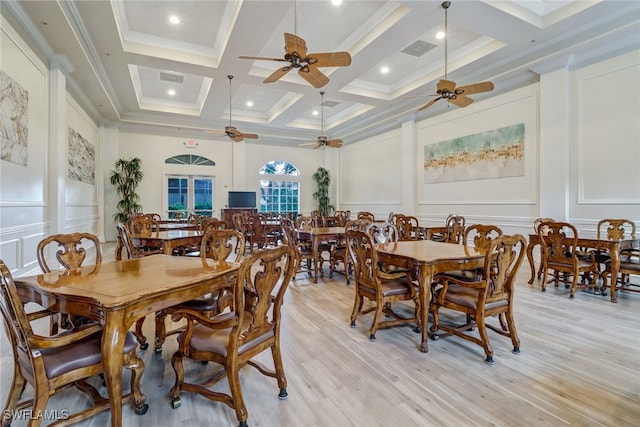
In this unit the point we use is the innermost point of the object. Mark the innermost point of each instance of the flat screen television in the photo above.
(242, 199)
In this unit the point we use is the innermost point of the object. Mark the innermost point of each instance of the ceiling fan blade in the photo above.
(318, 145)
(475, 88)
(215, 132)
(263, 58)
(335, 143)
(429, 104)
(295, 44)
(250, 135)
(446, 86)
(277, 74)
(236, 138)
(461, 101)
(314, 76)
(330, 59)
(306, 144)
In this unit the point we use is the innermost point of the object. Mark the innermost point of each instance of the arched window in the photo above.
(280, 193)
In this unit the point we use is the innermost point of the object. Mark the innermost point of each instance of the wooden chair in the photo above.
(613, 229)
(72, 253)
(536, 225)
(478, 236)
(370, 284)
(302, 250)
(629, 265)
(339, 254)
(559, 243)
(217, 245)
(480, 298)
(455, 229)
(154, 216)
(133, 251)
(52, 363)
(408, 227)
(145, 226)
(366, 215)
(258, 234)
(342, 217)
(232, 339)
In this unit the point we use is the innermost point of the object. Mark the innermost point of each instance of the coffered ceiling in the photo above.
(122, 57)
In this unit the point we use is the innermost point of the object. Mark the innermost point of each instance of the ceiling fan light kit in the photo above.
(446, 89)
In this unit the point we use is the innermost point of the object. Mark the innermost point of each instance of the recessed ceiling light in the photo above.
(249, 103)
(384, 70)
(174, 19)
(336, 2)
(314, 112)
(440, 35)
(171, 92)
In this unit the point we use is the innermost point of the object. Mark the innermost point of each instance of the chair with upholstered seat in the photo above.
(559, 243)
(339, 253)
(52, 363)
(366, 215)
(234, 338)
(72, 253)
(303, 251)
(143, 225)
(629, 265)
(372, 285)
(217, 245)
(613, 229)
(455, 229)
(408, 227)
(479, 298)
(536, 224)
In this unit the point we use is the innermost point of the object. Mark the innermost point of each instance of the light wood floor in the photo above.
(579, 366)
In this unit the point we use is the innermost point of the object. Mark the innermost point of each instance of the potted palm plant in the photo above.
(322, 179)
(126, 177)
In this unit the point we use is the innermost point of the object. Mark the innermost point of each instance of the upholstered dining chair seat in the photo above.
(389, 288)
(78, 354)
(216, 341)
(468, 297)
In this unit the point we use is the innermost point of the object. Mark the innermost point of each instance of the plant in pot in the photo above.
(322, 179)
(126, 177)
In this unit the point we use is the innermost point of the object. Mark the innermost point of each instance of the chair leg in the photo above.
(178, 369)
(374, 323)
(142, 340)
(357, 306)
(136, 365)
(161, 330)
(512, 332)
(17, 388)
(435, 324)
(39, 405)
(574, 285)
(236, 392)
(279, 368)
(482, 330)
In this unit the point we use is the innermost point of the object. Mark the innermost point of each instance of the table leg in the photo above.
(315, 243)
(530, 247)
(424, 296)
(113, 337)
(614, 253)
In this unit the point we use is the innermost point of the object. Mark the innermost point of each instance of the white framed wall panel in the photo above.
(371, 171)
(607, 123)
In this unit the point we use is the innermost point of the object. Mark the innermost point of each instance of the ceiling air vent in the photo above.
(330, 103)
(418, 48)
(173, 78)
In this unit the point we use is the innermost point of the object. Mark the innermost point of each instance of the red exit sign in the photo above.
(190, 143)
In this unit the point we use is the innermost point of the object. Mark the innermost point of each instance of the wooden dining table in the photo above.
(318, 235)
(118, 293)
(168, 240)
(427, 258)
(168, 226)
(611, 247)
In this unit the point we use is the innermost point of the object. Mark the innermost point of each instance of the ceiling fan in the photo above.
(322, 140)
(231, 131)
(447, 89)
(307, 63)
